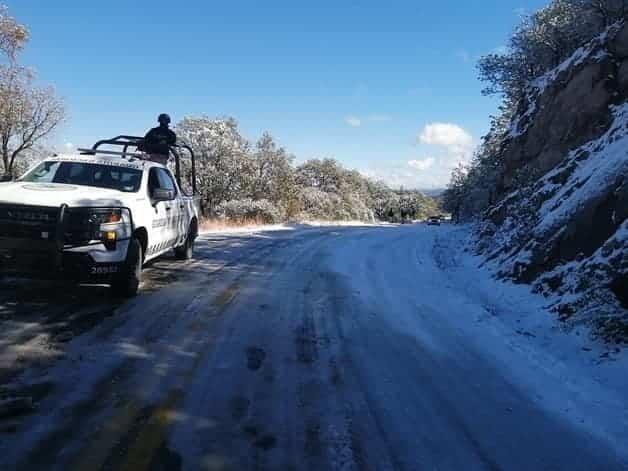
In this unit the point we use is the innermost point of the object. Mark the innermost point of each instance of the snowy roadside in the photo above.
(289, 226)
(246, 229)
(516, 327)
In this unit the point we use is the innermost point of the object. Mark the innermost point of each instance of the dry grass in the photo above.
(220, 224)
(209, 225)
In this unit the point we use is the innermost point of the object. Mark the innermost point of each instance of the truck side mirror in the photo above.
(162, 194)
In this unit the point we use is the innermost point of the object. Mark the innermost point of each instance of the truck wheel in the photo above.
(186, 251)
(127, 282)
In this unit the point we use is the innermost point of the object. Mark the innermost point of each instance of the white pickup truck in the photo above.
(94, 218)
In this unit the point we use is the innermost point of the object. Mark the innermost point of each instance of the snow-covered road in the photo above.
(322, 348)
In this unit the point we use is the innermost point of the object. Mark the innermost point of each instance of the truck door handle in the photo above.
(168, 208)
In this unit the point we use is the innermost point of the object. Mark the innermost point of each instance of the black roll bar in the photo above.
(138, 143)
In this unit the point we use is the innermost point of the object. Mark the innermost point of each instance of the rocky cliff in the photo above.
(561, 222)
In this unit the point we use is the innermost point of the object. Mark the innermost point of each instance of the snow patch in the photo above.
(593, 51)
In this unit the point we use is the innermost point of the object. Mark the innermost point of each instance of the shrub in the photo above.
(243, 210)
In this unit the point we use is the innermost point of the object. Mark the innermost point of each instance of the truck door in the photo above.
(174, 211)
(158, 235)
(184, 213)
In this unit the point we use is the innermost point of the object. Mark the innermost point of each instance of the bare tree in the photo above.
(13, 35)
(28, 113)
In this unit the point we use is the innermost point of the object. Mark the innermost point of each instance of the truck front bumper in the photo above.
(39, 242)
(42, 259)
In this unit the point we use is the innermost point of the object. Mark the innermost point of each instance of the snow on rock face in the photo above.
(564, 109)
(593, 175)
(564, 229)
(594, 52)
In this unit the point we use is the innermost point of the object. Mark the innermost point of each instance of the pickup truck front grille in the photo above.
(28, 222)
(78, 229)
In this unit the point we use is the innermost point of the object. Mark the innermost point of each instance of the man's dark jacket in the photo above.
(158, 140)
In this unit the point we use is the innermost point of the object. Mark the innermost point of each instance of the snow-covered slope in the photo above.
(564, 229)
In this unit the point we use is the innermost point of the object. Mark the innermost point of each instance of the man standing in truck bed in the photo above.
(158, 140)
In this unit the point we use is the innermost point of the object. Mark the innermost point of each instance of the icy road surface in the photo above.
(367, 348)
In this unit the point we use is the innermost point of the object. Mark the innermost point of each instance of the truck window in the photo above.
(43, 173)
(86, 174)
(160, 178)
(166, 181)
(153, 181)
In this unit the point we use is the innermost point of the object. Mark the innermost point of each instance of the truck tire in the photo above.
(126, 283)
(186, 251)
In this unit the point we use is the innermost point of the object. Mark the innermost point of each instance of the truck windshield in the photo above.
(86, 174)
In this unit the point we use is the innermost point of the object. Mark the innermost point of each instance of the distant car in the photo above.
(433, 221)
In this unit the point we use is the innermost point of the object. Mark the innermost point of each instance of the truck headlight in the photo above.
(84, 226)
(105, 225)
(112, 225)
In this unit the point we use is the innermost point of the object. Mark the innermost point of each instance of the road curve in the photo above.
(317, 349)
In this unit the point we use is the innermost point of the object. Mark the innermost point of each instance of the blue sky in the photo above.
(389, 88)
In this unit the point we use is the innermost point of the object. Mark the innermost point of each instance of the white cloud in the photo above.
(69, 145)
(450, 136)
(456, 146)
(353, 121)
(422, 164)
(450, 145)
(406, 177)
